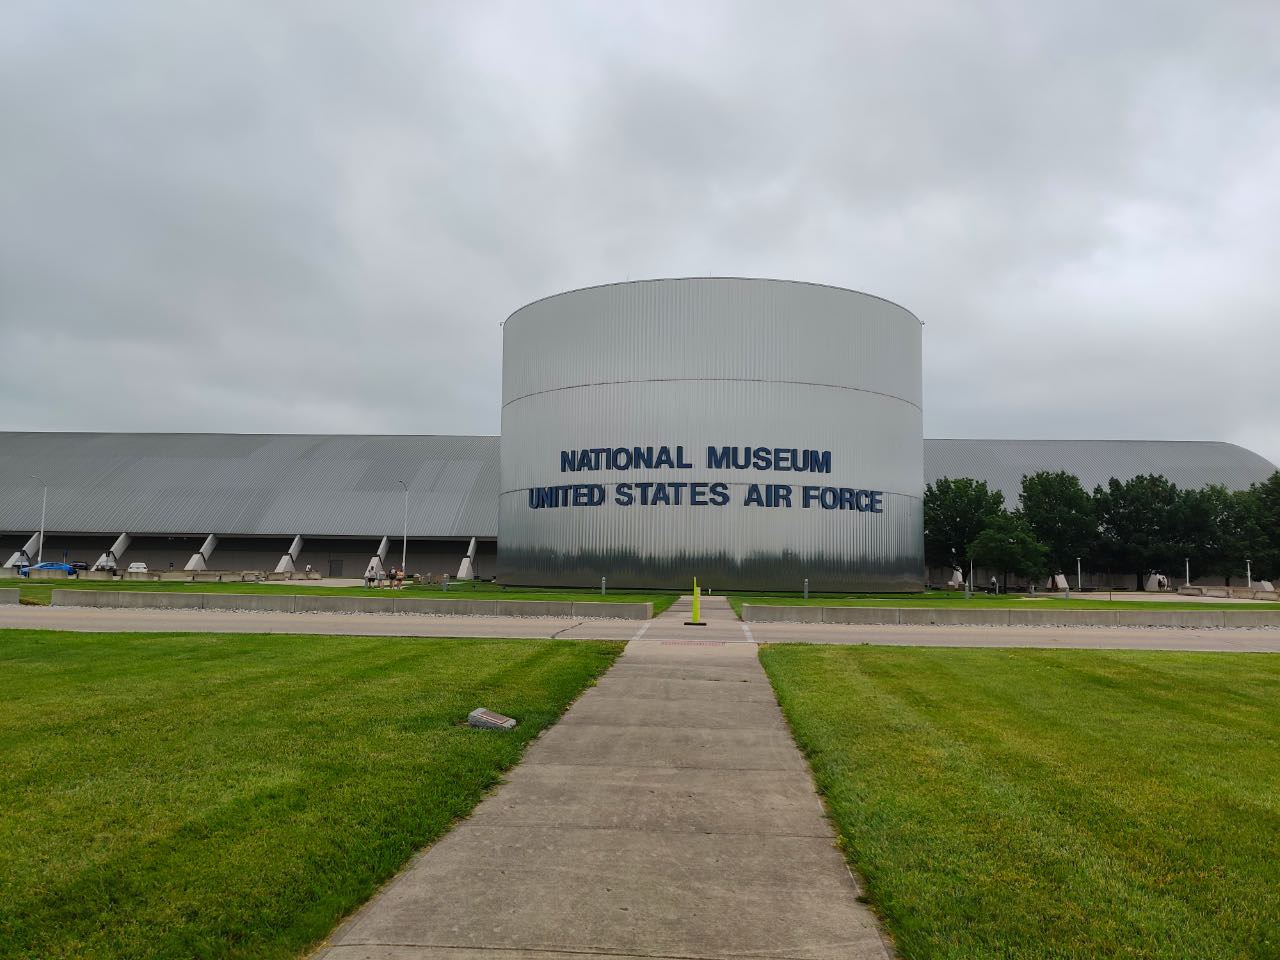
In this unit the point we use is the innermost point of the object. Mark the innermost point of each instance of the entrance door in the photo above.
(335, 567)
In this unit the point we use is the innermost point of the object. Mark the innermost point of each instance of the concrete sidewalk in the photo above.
(668, 814)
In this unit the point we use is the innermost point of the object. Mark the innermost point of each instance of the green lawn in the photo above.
(1015, 601)
(39, 592)
(235, 796)
(1050, 804)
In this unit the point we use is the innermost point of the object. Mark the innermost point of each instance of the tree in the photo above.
(955, 512)
(1060, 513)
(1218, 529)
(1138, 525)
(1008, 545)
(1265, 545)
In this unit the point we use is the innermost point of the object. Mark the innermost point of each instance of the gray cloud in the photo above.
(312, 217)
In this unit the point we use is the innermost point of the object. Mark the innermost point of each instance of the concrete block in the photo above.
(863, 615)
(680, 800)
(85, 598)
(263, 602)
(309, 603)
(47, 575)
(8, 573)
(951, 616)
(606, 708)
(95, 575)
(422, 606)
(372, 604)
(1199, 619)
(8, 595)
(139, 576)
(769, 613)
(1053, 617)
(1250, 618)
(136, 599)
(485, 719)
(613, 611)
(707, 749)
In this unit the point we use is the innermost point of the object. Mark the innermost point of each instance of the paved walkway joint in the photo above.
(668, 815)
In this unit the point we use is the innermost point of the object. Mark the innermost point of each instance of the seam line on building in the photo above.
(798, 383)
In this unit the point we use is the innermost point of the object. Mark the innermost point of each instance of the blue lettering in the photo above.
(717, 459)
(719, 494)
(623, 496)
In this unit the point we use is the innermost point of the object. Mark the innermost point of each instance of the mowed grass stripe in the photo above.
(1050, 803)
(236, 795)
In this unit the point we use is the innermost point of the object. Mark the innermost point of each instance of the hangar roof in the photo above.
(281, 484)
(1002, 463)
(345, 485)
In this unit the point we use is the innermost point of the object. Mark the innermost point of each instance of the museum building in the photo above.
(754, 433)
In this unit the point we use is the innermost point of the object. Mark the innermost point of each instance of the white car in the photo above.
(137, 567)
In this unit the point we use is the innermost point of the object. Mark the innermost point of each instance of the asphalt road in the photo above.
(721, 625)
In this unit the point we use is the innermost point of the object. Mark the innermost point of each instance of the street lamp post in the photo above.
(1079, 578)
(44, 505)
(1248, 572)
(404, 540)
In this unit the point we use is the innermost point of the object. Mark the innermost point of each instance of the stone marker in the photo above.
(488, 720)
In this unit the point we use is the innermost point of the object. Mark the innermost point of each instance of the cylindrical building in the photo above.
(751, 433)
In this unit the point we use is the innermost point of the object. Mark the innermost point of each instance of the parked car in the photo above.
(137, 567)
(66, 568)
(79, 564)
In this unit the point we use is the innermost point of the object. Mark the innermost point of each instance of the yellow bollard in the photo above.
(696, 620)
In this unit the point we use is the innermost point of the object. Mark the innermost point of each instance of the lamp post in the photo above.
(44, 504)
(404, 540)
(1248, 571)
(1079, 578)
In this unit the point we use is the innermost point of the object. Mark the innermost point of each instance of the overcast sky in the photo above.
(311, 217)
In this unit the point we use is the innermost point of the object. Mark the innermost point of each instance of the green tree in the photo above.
(1218, 528)
(1059, 512)
(955, 512)
(1009, 545)
(1265, 533)
(1139, 524)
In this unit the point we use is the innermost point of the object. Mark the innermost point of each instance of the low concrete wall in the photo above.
(7, 573)
(86, 598)
(46, 574)
(95, 575)
(1016, 617)
(8, 595)
(1235, 593)
(303, 603)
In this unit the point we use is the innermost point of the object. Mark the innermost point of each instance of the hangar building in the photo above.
(779, 420)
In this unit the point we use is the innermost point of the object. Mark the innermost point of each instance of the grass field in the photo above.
(1050, 804)
(40, 592)
(235, 796)
(941, 598)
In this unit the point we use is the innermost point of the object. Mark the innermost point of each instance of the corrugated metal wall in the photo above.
(713, 362)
